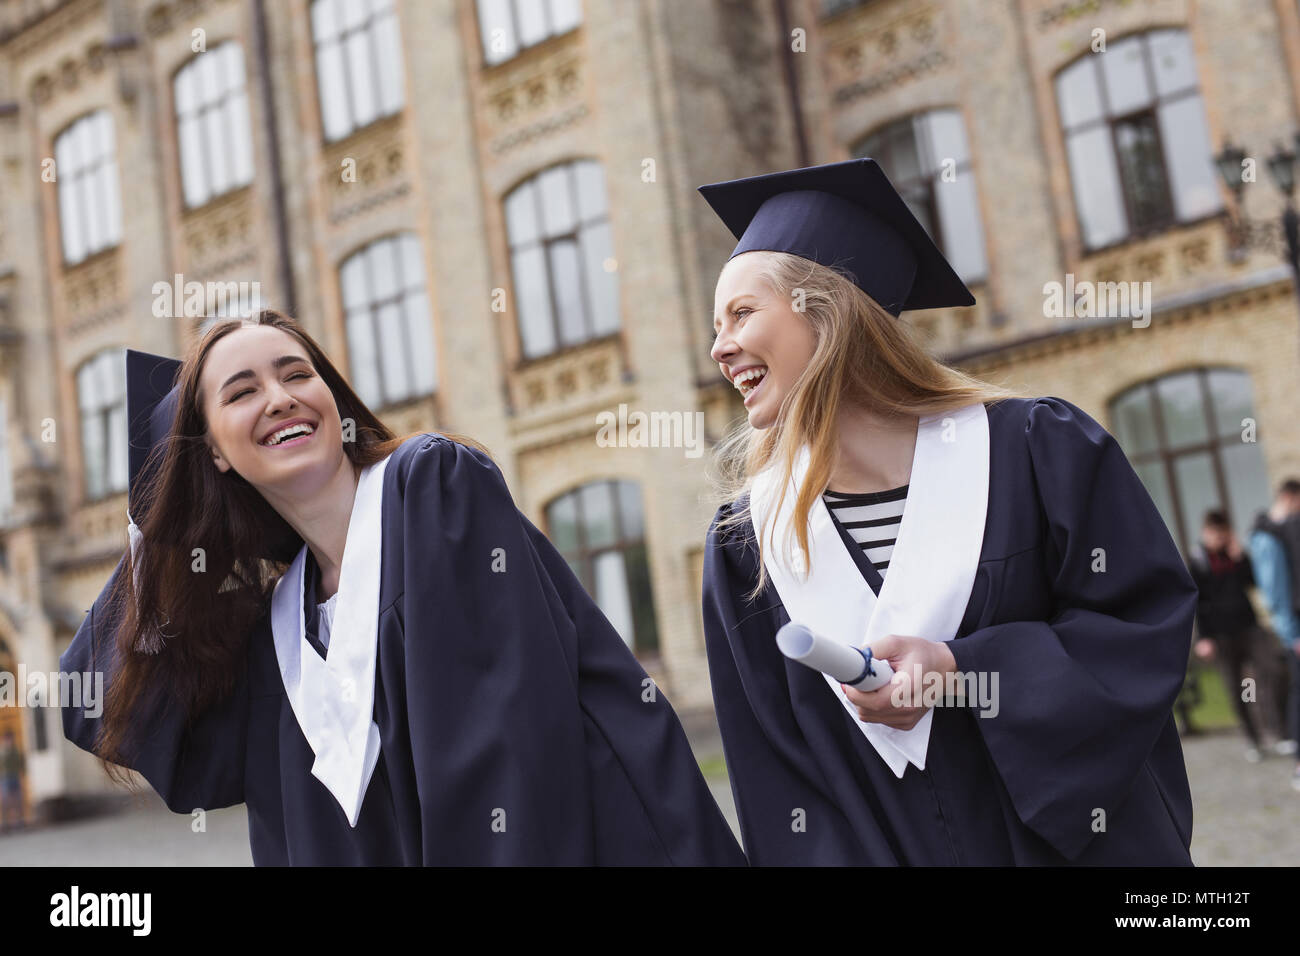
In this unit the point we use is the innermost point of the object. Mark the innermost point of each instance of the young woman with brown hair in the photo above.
(361, 638)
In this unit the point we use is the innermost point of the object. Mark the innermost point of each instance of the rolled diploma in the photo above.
(846, 664)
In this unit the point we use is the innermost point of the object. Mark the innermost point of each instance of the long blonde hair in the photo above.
(865, 357)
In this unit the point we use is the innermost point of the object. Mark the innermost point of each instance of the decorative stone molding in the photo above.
(894, 76)
(42, 89)
(1070, 339)
(97, 525)
(535, 131)
(541, 90)
(166, 16)
(900, 50)
(82, 324)
(220, 231)
(1180, 257)
(91, 291)
(72, 70)
(32, 23)
(1059, 13)
(572, 378)
(233, 267)
(35, 498)
(376, 157)
(369, 202)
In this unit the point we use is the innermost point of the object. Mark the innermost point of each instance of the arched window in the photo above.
(390, 335)
(1185, 435)
(600, 530)
(508, 26)
(101, 398)
(212, 124)
(1136, 138)
(90, 205)
(561, 250)
(358, 63)
(926, 158)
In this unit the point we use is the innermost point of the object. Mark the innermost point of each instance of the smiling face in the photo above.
(762, 344)
(257, 382)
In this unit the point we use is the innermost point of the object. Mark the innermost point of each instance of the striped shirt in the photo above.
(325, 610)
(871, 519)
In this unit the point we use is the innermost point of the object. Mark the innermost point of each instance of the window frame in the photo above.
(1151, 107)
(372, 306)
(199, 112)
(83, 169)
(1186, 532)
(101, 418)
(926, 180)
(642, 645)
(520, 48)
(547, 243)
(338, 39)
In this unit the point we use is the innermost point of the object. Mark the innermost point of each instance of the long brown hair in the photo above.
(187, 632)
(863, 357)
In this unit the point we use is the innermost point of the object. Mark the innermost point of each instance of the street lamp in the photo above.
(1244, 234)
(1229, 163)
(1281, 166)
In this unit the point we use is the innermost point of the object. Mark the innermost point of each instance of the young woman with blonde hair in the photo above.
(997, 551)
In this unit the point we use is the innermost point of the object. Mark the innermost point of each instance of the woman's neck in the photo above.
(874, 452)
(321, 520)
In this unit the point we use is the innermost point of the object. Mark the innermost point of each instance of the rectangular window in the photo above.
(508, 26)
(90, 209)
(358, 63)
(212, 126)
(101, 399)
(562, 258)
(1136, 138)
(390, 335)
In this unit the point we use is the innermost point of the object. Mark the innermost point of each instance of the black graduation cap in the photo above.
(846, 214)
(152, 398)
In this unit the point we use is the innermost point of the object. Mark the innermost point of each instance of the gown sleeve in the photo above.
(1084, 695)
(199, 766)
(522, 689)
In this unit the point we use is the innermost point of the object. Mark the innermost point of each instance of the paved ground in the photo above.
(1245, 814)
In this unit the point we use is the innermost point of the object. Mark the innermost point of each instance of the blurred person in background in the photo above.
(12, 767)
(1273, 551)
(1230, 631)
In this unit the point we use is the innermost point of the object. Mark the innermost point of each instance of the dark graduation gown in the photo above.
(493, 692)
(1090, 664)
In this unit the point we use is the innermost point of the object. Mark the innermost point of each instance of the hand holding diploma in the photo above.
(907, 656)
(846, 664)
(870, 676)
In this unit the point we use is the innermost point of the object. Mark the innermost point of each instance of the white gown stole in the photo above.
(334, 698)
(931, 571)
